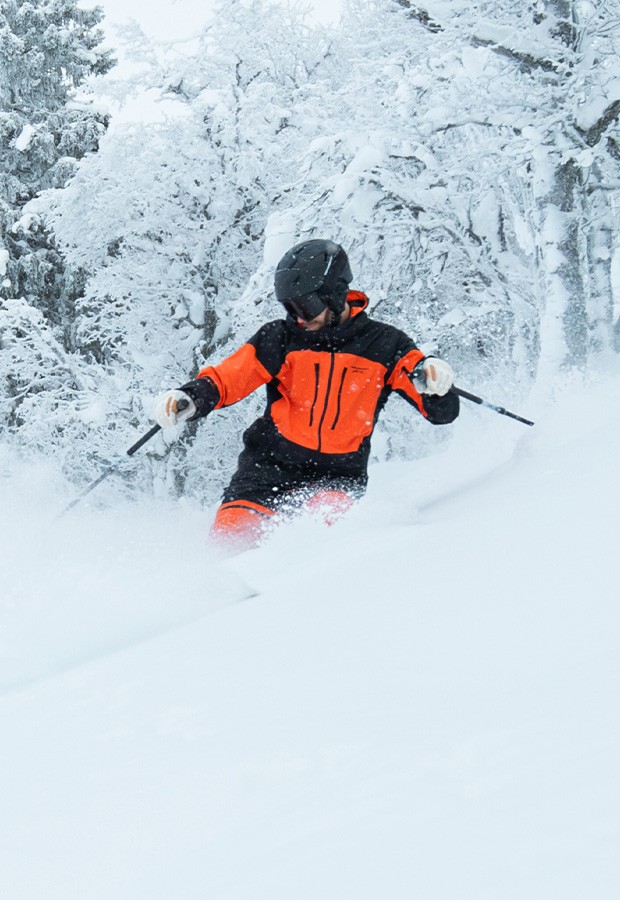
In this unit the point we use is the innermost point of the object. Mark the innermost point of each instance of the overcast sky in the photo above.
(173, 19)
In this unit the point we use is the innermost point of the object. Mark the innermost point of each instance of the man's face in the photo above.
(320, 321)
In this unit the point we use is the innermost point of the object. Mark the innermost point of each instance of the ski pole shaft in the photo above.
(91, 487)
(498, 409)
(419, 376)
(181, 405)
(147, 437)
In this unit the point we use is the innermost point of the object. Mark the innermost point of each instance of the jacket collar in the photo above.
(358, 302)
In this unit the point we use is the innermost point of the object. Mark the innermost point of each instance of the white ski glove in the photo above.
(166, 411)
(437, 376)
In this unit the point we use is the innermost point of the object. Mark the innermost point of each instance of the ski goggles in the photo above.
(306, 307)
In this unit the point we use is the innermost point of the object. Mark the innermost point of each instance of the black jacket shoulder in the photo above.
(270, 343)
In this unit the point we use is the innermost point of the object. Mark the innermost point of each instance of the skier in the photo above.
(329, 370)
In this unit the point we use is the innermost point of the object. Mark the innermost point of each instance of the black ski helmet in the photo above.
(311, 276)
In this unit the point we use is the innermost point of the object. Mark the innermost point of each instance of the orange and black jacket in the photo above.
(325, 389)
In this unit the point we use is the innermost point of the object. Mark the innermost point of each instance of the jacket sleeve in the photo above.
(438, 410)
(253, 364)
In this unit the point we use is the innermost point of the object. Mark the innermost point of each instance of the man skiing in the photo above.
(329, 370)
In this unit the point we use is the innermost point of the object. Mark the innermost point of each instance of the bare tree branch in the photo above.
(421, 15)
(593, 134)
(526, 60)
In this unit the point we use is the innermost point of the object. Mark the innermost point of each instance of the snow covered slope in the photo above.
(422, 701)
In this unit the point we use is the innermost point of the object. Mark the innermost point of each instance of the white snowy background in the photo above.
(420, 701)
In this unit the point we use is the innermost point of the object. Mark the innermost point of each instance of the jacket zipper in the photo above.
(329, 384)
(340, 386)
(317, 372)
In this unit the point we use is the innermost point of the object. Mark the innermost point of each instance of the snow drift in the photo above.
(421, 701)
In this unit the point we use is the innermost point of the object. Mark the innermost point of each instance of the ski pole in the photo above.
(181, 405)
(498, 409)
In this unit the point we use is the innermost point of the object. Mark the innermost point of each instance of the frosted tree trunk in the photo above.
(600, 239)
(572, 268)
(583, 191)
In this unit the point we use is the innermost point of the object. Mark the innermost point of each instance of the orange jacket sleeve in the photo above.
(435, 409)
(237, 376)
(400, 379)
(255, 363)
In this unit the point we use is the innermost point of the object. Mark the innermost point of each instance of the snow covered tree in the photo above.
(47, 51)
(407, 167)
(182, 200)
(557, 86)
(586, 172)
(182, 203)
(48, 48)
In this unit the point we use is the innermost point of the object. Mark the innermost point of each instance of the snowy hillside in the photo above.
(420, 702)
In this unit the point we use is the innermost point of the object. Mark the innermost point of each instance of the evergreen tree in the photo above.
(48, 49)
